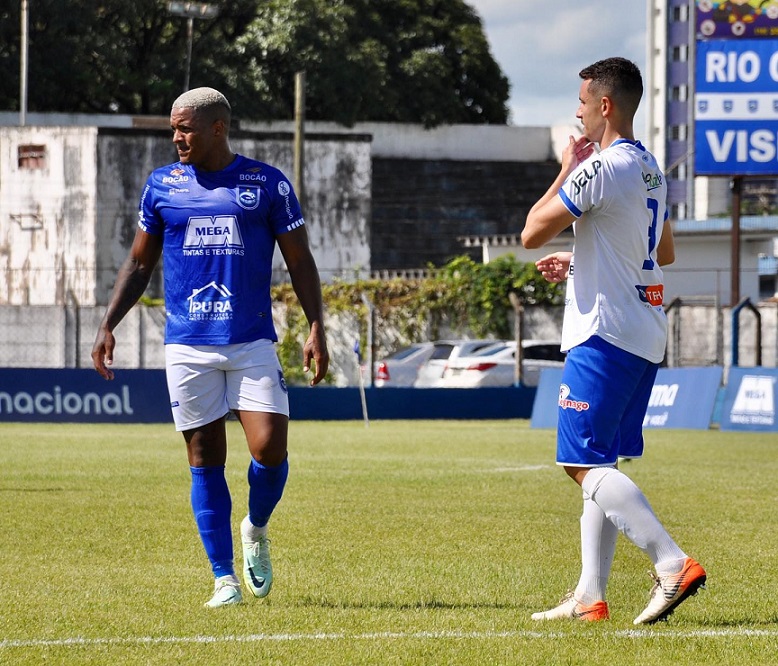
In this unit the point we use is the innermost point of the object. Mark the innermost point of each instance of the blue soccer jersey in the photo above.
(219, 232)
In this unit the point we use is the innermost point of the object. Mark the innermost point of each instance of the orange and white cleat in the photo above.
(571, 609)
(669, 591)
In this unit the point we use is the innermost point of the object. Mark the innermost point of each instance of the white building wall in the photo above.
(47, 216)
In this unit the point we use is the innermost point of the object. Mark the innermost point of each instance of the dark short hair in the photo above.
(617, 78)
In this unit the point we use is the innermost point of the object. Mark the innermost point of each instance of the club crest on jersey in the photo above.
(653, 294)
(247, 196)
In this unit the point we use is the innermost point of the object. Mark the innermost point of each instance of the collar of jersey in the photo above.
(635, 143)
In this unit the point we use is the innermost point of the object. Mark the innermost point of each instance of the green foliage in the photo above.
(467, 296)
(421, 61)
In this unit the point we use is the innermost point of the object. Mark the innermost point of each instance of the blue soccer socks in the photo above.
(212, 507)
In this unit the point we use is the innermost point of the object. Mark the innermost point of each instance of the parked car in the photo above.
(446, 351)
(496, 366)
(401, 367)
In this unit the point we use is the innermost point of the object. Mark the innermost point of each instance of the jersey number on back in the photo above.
(653, 206)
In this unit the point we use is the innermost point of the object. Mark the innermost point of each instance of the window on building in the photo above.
(680, 53)
(680, 14)
(679, 93)
(32, 156)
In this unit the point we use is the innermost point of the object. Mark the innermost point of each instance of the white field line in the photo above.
(629, 634)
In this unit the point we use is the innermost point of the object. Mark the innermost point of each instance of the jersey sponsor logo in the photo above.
(566, 403)
(585, 176)
(653, 294)
(253, 175)
(174, 180)
(210, 303)
(284, 189)
(247, 196)
(219, 231)
(652, 181)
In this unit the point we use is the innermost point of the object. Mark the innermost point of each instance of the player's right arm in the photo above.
(131, 282)
(665, 250)
(549, 216)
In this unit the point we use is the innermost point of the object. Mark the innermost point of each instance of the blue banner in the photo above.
(736, 107)
(140, 396)
(749, 401)
(681, 398)
(82, 396)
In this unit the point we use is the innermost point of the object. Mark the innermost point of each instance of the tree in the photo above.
(424, 61)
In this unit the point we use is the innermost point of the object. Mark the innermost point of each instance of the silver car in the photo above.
(497, 366)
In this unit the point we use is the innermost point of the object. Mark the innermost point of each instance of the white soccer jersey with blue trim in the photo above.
(615, 288)
(219, 232)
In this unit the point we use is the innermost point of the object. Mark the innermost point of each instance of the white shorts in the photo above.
(205, 382)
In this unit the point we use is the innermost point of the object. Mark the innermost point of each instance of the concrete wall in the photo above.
(47, 214)
(65, 228)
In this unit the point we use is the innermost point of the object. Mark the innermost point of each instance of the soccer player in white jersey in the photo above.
(614, 333)
(218, 217)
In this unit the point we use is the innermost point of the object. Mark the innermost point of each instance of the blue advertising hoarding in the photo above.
(681, 398)
(749, 401)
(736, 107)
(140, 396)
(82, 396)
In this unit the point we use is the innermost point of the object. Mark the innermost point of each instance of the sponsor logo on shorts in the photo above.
(566, 403)
(282, 382)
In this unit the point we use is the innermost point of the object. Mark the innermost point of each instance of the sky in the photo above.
(541, 45)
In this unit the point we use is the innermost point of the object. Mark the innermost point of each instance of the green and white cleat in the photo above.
(257, 569)
(226, 592)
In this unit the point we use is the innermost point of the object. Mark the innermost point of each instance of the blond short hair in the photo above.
(201, 98)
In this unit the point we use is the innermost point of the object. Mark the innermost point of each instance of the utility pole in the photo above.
(191, 11)
(299, 136)
(23, 66)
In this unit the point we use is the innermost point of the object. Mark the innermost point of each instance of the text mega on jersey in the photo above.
(736, 107)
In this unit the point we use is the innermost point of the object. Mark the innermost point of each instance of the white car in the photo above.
(496, 366)
(447, 351)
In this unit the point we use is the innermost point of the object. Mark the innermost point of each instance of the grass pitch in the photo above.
(426, 542)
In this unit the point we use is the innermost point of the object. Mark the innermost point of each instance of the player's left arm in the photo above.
(302, 268)
(665, 250)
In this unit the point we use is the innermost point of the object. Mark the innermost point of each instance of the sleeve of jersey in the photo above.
(147, 214)
(285, 212)
(579, 193)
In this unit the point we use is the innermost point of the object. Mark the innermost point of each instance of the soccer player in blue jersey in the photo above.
(614, 333)
(218, 216)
